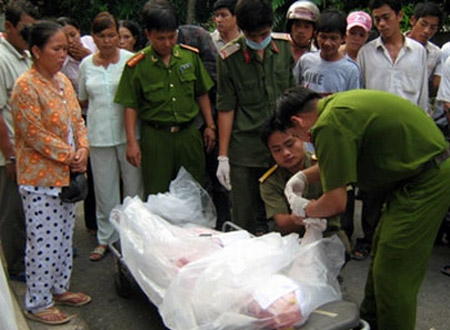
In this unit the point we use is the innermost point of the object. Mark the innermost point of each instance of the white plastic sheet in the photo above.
(205, 280)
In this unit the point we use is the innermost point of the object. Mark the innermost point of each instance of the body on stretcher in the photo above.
(188, 266)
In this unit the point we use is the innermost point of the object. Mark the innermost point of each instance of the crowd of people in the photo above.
(249, 112)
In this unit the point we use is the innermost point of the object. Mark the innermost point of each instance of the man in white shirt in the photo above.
(392, 62)
(14, 60)
(226, 25)
(425, 22)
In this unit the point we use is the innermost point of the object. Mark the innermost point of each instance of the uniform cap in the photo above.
(359, 18)
(304, 10)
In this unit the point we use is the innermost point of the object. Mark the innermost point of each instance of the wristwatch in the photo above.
(11, 160)
(212, 126)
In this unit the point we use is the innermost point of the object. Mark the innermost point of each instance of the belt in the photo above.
(437, 160)
(169, 127)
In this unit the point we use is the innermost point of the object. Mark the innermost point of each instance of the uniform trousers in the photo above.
(48, 259)
(164, 152)
(109, 165)
(401, 247)
(247, 205)
(12, 223)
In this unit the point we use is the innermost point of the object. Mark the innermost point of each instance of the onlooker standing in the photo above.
(225, 20)
(130, 36)
(99, 77)
(50, 136)
(426, 20)
(165, 85)
(328, 70)
(14, 60)
(252, 71)
(359, 25)
(392, 62)
(79, 48)
(301, 20)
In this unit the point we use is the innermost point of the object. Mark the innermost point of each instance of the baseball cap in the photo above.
(304, 10)
(359, 18)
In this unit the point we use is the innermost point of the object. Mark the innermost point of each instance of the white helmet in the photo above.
(304, 10)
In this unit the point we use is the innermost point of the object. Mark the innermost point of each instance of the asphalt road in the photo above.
(109, 311)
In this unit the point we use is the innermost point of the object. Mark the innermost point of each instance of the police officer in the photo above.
(165, 85)
(252, 72)
(381, 142)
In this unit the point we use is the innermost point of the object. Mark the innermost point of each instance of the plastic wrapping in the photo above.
(203, 279)
(186, 202)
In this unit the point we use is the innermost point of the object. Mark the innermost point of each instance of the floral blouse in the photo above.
(42, 114)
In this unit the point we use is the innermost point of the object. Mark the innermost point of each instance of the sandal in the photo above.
(361, 251)
(72, 299)
(98, 253)
(446, 270)
(49, 316)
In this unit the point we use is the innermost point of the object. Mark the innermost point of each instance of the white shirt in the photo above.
(98, 85)
(434, 60)
(12, 65)
(406, 77)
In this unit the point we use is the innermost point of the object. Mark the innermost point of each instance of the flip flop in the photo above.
(446, 270)
(98, 253)
(51, 311)
(72, 299)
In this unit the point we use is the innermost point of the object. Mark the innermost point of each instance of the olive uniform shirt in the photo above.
(160, 93)
(250, 86)
(272, 192)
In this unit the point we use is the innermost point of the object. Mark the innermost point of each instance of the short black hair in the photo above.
(135, 30)
(39, 33)
(15, 9)
(63, 21)
(332, 20)
(293, 101)
(271, 125)
(159, 15)
(229, 4)
(254, 15)
(396, 5)
(428, 8)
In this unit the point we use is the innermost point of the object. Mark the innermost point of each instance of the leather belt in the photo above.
(169, 127)
(437, 160)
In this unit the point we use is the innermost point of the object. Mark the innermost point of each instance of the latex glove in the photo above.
(223, 172)
(295, 186)
(298, 205)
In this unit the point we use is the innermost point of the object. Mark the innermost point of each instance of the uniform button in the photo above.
(170, 71)
(171, 85)
(174, 99)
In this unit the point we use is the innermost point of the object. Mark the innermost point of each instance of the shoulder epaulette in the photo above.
(135, 59)
(192, 49)
(229, 49)
(269, 172)
(281, 36)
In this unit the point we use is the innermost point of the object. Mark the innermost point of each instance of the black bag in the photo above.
(77, 190)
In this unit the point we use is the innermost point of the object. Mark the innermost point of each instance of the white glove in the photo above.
(223, 172)
(298, 205)
(295, 185)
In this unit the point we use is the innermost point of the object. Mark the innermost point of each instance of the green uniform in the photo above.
(382, 142)
(164, 97)
(250, 86)
(272, 193)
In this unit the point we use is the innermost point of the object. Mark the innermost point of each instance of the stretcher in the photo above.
(335, 315)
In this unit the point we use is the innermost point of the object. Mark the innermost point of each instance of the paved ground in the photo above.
(108, 311)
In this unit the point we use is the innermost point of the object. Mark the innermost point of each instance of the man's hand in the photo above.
(79, 161)
(209, 138)
(298, 205)
(295, 186)
(223, 172)
(134, 155)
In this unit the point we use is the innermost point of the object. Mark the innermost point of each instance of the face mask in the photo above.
(258, 46)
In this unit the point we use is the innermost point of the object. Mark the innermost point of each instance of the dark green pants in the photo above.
(247, 206)
(163, 153)
(401, 247)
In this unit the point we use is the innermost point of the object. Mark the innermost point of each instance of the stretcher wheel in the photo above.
(121, 281)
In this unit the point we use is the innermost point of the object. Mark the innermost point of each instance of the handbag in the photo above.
(77, 190)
